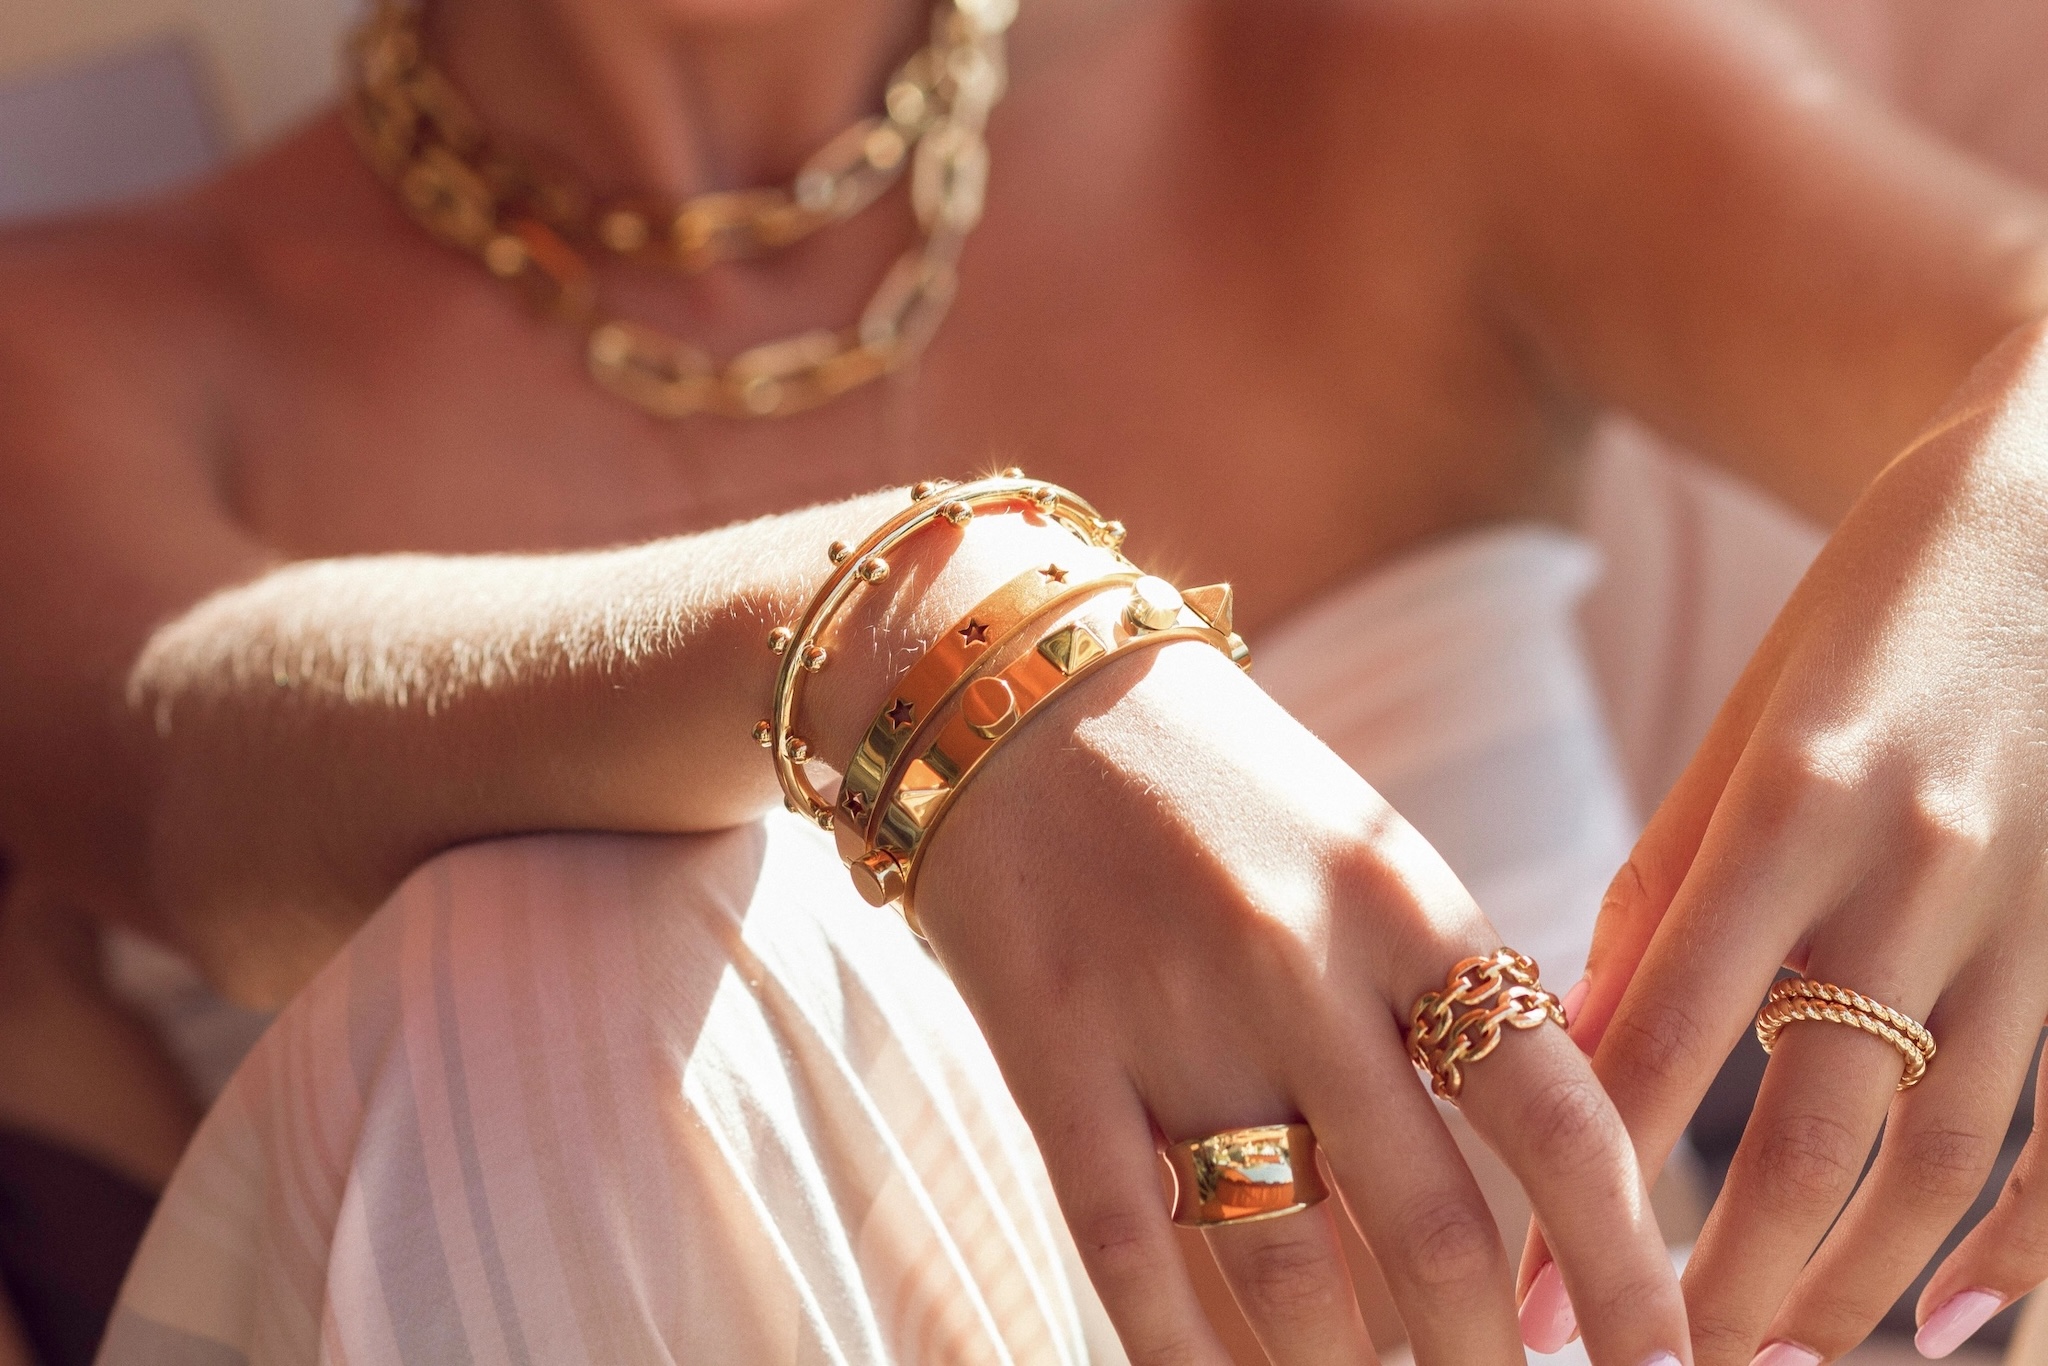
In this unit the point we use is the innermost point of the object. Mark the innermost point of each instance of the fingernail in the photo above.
(1573, 999)
(1661, 1359)
(1950, 1326)
(1547, 1318)
(1786, 1354)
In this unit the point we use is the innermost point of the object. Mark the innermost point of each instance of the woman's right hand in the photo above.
(1175, 912)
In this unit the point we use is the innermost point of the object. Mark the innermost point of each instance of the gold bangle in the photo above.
(992, 705)
(1802, 998)
(1462, 1023)
(947, 666)
(1244, 1175)
(801, 646)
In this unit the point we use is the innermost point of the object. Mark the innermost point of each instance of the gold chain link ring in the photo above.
(1462, 1023)
(1802, 998)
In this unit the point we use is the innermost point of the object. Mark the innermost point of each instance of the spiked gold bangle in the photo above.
(991, 705)
(947, 666)
(803, 646)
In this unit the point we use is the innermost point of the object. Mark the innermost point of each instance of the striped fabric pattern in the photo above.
(616, 1099)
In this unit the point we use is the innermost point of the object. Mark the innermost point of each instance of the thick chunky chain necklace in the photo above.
(533, 229)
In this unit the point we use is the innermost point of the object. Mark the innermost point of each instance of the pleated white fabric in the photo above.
(632, 1099)
(616, 1099)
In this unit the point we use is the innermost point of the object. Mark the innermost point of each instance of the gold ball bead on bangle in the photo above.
(873, 569)
(878, 877)
(812, 656)
(959, 514)
(1043, 497)
(764, 734)
(779, 638)
(1155, 604)
(838, 551)
(923, 489)
(795, 749)
(1012, 472)
(1112, 534)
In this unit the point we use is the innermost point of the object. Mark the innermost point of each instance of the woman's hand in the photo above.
(1871, 808)
(1175, 912)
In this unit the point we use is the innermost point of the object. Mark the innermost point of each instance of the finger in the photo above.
(1824, 1098)
(1104, 1166)
(2001, 1259)
(1289, 1277)
(1643, 888)
(1414, 1201)
(1536, 1101)
(1941, 1140)
(1734, 920)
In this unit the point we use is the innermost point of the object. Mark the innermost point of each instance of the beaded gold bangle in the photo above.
(801, 646)
(992, 705)
(946, 667)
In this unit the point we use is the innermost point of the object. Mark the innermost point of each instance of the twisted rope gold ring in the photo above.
(1802, 998)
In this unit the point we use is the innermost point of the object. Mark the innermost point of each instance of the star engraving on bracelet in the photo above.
(974, 632)
(902, 713)
(856, 805)
(1054, 574)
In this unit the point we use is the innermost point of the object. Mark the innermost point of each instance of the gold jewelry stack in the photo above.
(1021, 646)
(1802, 998)
(1449, 1029)
(532, 228)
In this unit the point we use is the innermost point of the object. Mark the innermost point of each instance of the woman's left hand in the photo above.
(1870, 809)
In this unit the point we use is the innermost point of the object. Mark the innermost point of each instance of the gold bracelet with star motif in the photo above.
(802, 646)
(991, 705)
(947, 665)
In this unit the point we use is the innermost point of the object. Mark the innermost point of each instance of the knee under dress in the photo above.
(624, 1099)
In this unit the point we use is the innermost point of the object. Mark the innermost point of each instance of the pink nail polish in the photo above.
(1786, 1354)
(1573, 999)
(1661, 1359)
(1547, 1318)
(1950, 1326)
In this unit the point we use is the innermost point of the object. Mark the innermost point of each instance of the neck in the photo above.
(673, 97)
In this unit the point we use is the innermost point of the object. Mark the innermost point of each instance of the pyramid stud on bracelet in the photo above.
(1212, 602)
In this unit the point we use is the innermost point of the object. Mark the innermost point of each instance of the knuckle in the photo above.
(1633, 890)
(1653, 1042)
(1449, 1242)
(1291, 1280)
(1626, 1298)
(1806, 1162)
(1570, 1121)
(1945, 1168)
(1718, 1337)
(1122, 1245)
(1806, 785)
(1945, 826)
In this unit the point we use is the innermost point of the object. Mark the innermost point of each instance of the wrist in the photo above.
(935, 579)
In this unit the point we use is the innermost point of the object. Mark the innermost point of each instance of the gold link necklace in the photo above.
(533, 229)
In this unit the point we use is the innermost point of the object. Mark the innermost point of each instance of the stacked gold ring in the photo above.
(1462, 1024)
(1802, 998)
(1244, 1175)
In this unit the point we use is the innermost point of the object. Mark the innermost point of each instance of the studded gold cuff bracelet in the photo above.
(991, 706)
(803, 648)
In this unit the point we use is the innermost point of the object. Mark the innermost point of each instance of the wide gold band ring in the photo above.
(1802, 998)
(1462, 1023)
(1242, 1175)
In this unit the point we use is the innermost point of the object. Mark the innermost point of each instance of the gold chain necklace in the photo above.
(530, 228)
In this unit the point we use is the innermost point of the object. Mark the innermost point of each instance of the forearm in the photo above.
(316, 734)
